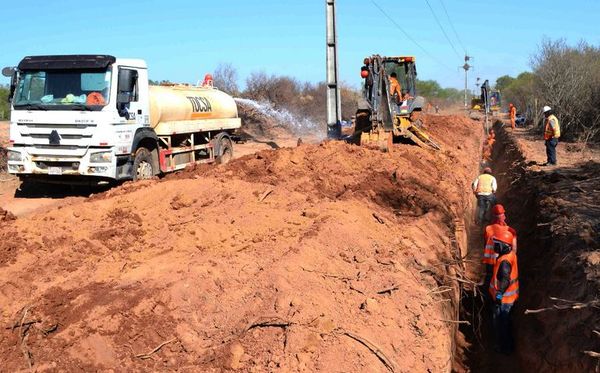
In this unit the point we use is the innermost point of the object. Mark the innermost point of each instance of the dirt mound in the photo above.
(323, 257)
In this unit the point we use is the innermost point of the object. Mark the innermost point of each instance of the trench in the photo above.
(520, 201)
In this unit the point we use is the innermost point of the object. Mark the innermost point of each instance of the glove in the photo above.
(499, 298)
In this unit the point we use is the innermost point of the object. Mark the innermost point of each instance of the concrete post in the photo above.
(334, 102)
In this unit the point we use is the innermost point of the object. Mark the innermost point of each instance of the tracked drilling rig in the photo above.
(386, 115)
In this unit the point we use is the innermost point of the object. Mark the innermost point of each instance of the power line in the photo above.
(409, 37)
(442, 28)
(452, 25)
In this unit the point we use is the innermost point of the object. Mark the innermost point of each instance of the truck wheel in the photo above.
(225, 150)
(142, 165)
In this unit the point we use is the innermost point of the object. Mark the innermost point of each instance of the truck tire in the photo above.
(142, 165)
(225, 150)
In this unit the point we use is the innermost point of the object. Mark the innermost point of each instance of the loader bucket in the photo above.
(381, 140)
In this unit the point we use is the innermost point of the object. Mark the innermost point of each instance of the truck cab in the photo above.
(76, 116)
(86, 119)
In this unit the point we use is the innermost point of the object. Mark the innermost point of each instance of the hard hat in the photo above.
(487, 170)
(547, 108)
(498, 209)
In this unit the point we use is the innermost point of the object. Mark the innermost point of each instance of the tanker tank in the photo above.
(177, 109)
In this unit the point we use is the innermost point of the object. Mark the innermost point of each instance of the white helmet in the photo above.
(547, 108)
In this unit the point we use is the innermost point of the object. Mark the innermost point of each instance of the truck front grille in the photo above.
(44, 165)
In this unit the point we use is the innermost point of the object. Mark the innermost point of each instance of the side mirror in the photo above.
(8, 71)
(11, 72)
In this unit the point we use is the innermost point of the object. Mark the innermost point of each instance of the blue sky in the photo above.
(182, 40)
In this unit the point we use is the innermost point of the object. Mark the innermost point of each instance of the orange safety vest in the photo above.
(511, 294)
(395, 87)
(550, 132)
(513, 112)
(484, 184)
(489, 255)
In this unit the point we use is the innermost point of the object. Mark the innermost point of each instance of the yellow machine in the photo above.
(390, 110)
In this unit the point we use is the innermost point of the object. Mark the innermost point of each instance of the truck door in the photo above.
(128, 95)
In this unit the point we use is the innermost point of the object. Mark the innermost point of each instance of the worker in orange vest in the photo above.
(512, 111)
(498, 227)
(551, 135)
(395, 87)
(484, 187)
(208, 80)
(504, 289)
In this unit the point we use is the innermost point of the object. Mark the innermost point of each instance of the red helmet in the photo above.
(498, 209)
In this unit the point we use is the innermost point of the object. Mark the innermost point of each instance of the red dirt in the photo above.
(282, 260)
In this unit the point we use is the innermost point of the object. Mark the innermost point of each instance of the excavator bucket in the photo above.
(380, 139)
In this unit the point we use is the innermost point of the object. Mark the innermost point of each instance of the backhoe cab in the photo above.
(387, 113)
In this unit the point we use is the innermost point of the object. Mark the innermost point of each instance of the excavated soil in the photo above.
(327, 257)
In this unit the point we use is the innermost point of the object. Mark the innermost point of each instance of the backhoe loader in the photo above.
(383, 118)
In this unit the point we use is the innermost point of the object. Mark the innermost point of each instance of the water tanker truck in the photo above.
(94, 119)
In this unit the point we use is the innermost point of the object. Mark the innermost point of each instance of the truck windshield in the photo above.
(63, 90)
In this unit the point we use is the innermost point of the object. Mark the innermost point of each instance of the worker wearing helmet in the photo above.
(497, 228)
(551, 135)
(395, 88)
(208, 80)
(512, 111)
(504, 290)
(484, 188)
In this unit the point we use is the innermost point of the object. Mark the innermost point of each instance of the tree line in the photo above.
(564, 77)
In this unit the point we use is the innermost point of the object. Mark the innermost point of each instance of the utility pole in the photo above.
(466, 67)
(334, 102)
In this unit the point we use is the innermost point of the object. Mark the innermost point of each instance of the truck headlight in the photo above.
(14, 156)
(101, 157)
